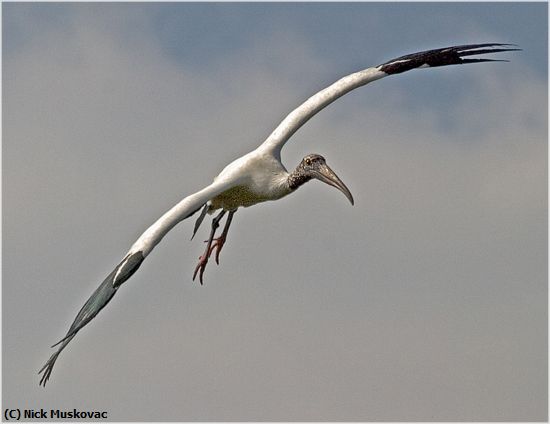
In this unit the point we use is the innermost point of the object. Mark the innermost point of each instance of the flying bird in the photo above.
(259, 176)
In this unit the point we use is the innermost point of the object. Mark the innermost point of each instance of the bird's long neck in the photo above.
(297, 178)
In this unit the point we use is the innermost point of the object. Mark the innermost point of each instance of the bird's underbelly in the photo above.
(241, 196)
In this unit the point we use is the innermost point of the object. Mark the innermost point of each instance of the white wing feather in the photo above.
(299, 116)
(185, 208)
(454, 55)
(132, 261)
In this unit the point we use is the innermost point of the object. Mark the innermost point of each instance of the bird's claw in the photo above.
(217, 244)
(203, 260)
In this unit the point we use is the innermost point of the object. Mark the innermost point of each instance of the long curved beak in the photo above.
(327, 175)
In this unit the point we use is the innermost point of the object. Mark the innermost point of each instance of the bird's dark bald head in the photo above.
(311, 162)
(305, 170)
(315, 166)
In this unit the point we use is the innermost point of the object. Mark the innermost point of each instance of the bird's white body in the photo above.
(259, 176)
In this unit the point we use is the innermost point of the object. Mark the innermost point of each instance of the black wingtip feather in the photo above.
(95, 303)
(48, 366)
(446, 56)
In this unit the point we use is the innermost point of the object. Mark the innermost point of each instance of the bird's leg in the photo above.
(203, 259)
(220, 241)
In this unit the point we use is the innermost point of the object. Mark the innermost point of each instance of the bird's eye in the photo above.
(308, 161)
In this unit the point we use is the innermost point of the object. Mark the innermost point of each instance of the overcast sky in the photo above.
(424, 301)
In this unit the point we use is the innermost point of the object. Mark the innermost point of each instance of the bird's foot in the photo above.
(213, 243)
(217, 244)
(201, 266)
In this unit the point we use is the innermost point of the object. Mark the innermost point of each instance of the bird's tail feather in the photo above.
(199, 220)
(97, 301)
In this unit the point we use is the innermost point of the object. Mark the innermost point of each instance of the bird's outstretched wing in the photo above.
(131, 262)
(430, 58)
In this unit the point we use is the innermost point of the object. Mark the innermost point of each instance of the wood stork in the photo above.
(259, 176)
